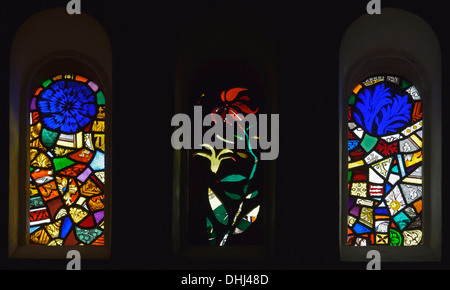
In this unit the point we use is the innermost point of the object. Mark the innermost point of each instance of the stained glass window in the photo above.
(67, 162)
(226, 192)
(385, 163)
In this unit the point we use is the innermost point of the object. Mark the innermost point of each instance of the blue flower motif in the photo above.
(380, 113)
(67, 106)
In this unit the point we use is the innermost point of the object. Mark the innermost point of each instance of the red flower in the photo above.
(233, 105)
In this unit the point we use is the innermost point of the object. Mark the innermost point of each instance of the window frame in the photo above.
(182, 249)
(425, 75)
(247, 41)
(26, 75)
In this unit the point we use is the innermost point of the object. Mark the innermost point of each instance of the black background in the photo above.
(144, 37)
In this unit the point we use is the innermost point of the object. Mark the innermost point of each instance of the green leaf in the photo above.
(210, 232)
(233, 178)
(247, 220)
(232, 195)
(218, 208)
(252, 195)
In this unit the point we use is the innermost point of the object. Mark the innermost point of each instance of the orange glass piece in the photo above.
(81, 79)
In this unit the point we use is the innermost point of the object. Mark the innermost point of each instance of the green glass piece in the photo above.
(46, 83)
(62, 162)
(395, 237)
(48, 137)
(211, 233)
(252, 195)
(352, 99)
(36, 202)
(87, 236)
(405, 84)
(243, 224)
(232, 195)
(100, 98)
(368, 142)
(233, 178)
(221, 214)
(349, 176)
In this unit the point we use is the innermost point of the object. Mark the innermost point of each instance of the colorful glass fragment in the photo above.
(385, 163)
(67, 162)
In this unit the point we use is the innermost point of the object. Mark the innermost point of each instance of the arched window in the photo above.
(385, 163)
(390, 139)
(60, 158)
(223, 193)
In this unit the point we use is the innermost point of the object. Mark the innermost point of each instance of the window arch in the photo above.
(383, 61)
(60, 157)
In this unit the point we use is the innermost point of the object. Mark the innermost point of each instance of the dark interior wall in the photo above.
(144, 38)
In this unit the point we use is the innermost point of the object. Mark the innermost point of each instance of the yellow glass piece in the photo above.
(99, 141)
(40, 237)
(215, 160)
(42, 161)
(242, 155)
(416, 140)
(355, 164)
(56, 242)
(382, 166)
(60, 151)
(35, 131)
(36, 144)
(382, 239)
(416, 158)
(90, 189)
(33, 190)
(33, 153)
(366, 216)
(237, 213)
(53, 229)
(77, 214)
(359, 189)
(394, 205)
(98, 126)
(96, 203)
(413, 180)
(101, 112)
(373, 81)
